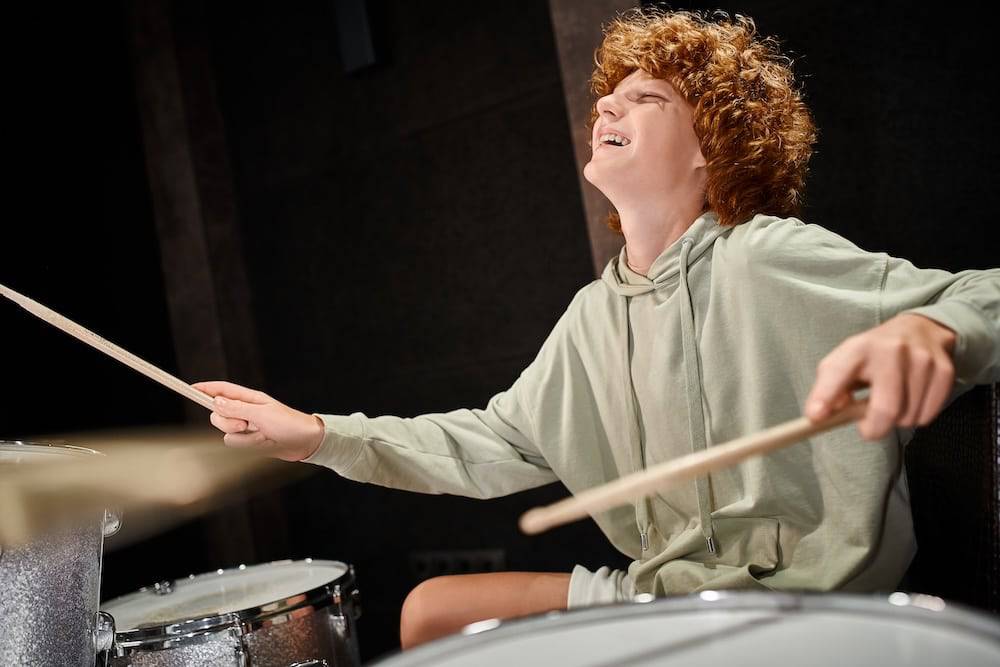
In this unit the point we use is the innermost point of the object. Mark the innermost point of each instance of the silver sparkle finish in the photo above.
(217, 653)
(309, 627)
(49, 588)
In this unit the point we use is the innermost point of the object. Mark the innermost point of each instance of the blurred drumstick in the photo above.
(109, 348)
(643, 483)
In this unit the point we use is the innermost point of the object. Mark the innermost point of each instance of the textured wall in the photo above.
(412, 233)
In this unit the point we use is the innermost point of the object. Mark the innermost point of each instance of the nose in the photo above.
(608, 106)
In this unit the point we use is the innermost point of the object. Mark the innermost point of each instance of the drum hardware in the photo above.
(104, 638)
(163, 587)
(112, 521)
(340, 622)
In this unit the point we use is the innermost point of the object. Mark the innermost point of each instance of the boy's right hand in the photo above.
(252, 419)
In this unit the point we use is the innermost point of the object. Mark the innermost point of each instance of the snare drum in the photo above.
(271, 615)
(742, 628)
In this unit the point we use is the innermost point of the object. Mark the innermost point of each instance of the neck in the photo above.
(651, 229)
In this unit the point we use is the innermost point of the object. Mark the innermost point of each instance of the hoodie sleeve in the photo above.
(479, 453)
(968, 302)
(798, 266)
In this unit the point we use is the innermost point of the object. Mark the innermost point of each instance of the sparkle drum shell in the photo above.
(50, 587)
(732, 628)
(270, 615)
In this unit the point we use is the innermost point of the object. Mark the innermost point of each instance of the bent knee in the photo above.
(425, 615)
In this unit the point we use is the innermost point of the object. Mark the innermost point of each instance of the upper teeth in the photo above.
(616, 138)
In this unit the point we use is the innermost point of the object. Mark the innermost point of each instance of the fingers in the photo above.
(234, 409)
(230, 390)
(942, 380)
(245, 440)
(886, 400)
(227, 425)
(836, 374)
(920, 367)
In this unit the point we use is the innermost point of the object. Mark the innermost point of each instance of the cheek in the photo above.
(676, 149)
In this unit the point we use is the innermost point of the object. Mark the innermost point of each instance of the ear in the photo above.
(699, 161)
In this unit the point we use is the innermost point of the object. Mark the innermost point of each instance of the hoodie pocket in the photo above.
(752, 545)
(749, 552)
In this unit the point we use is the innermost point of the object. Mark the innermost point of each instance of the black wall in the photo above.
(413, 230)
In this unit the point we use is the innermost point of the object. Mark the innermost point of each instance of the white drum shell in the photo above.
(726, 628)
(50, 587)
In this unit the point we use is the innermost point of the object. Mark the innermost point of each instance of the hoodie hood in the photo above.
(669, 270)
(665, 269)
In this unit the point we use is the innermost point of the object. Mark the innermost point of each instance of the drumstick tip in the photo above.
(531, 523)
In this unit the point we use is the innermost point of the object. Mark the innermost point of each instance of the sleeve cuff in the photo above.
(342, 444)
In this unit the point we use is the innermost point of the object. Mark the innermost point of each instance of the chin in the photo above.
(592, 173)
(597, 179)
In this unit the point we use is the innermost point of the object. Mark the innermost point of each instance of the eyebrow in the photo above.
(651, 85)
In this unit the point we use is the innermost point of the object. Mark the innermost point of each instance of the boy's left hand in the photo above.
(906, 362)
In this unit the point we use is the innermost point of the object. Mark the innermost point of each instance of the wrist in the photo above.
(317, 433)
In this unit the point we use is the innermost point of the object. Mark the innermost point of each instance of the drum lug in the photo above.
(165, 587)
(356, 603)
(112, 521)
(104, 637)
(237, 635)
(339, 618)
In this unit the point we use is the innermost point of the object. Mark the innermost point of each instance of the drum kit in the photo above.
(51, 545)
(59, 501)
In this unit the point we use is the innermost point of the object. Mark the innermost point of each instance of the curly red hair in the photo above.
(754, 128)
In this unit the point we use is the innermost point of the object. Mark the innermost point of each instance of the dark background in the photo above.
(411, 231)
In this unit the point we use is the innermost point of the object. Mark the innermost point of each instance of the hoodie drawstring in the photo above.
(695, 409)
(696, 413)
(643, 510)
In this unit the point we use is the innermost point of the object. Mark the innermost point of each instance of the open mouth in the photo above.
(613, 139)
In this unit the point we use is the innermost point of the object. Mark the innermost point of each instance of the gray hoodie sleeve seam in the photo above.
(357, 455)
(376, 441)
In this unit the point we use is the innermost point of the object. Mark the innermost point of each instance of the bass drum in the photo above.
(271, 615)
(733, 628)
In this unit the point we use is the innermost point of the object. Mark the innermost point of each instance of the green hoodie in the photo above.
(720, 341)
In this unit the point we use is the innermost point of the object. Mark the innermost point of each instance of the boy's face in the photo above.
(661, 155)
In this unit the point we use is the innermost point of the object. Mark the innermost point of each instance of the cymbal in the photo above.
(159, 472)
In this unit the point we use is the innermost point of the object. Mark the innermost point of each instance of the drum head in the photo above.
(240, 590)
(748, 629)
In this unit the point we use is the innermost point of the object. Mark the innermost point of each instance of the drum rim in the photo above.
(198, 630)
(951, 616)
(73, 449)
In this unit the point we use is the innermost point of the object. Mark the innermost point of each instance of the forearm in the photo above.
(463, 452)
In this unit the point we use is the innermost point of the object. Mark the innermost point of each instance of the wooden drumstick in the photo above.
(109, 348)
(645, 482)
